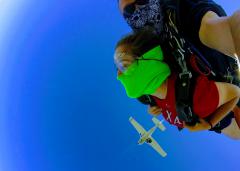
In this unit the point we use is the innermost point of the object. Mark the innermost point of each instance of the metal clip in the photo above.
(188, 73)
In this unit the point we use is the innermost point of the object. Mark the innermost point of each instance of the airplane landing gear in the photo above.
(148, 140)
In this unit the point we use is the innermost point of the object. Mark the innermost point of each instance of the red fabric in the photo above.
(205, 98)
(168, 104)
(194, 63)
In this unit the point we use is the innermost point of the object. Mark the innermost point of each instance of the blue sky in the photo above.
(62, 108)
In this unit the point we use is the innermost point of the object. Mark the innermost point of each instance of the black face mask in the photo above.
(143, 13)
(130, 8)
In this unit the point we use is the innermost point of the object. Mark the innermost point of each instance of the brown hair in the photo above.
(140, 42)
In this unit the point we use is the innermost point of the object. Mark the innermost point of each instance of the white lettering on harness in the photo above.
(169, 116)
(177, 121)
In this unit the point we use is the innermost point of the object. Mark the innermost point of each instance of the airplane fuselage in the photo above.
(145, 137)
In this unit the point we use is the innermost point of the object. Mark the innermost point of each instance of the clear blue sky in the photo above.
(61, 108)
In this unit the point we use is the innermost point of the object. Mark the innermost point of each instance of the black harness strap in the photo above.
(185, 82)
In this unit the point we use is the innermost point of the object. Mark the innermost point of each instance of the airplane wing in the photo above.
(159, 124)
(157, 147)
(137, 126)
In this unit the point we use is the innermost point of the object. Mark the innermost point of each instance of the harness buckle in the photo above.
(186, 74)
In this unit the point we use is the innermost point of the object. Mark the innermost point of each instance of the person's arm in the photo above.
(235, 29)
(215, 118)
(228, 97)
(222, 111)
(221, 33)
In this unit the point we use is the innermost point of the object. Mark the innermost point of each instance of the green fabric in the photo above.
(145, 76)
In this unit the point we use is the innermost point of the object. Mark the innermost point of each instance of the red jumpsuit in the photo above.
(205, 99)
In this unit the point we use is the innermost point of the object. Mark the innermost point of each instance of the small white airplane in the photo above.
(146, 136)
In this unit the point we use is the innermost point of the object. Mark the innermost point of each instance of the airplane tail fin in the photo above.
(159, 124)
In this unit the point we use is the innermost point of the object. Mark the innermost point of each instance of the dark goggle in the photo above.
(130, 8)
(123, 68)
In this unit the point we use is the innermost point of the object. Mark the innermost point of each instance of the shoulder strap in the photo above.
(184, 85)
(173, 7)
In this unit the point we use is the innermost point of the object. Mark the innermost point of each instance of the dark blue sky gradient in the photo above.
(62, 108)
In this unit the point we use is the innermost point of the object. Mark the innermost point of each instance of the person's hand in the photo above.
(154, 110)
(202, 125)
